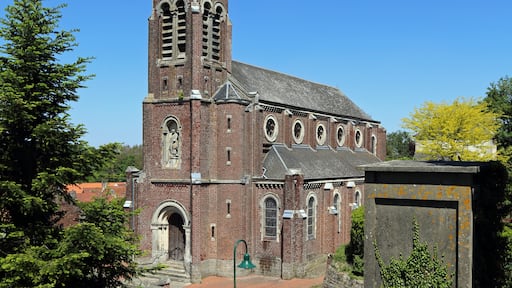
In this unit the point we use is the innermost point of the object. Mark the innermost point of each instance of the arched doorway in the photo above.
(176, 237)
(170, 228)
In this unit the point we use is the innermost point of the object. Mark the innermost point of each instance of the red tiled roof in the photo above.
(86, 192)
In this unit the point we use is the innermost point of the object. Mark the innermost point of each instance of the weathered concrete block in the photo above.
(447, 199)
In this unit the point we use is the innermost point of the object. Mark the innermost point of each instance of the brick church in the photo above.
(234, 151)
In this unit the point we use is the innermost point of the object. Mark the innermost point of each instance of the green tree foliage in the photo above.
(97, 252)
(422, 269)
(454, 131)
(104, 243)
(42, 152)
(499, 100)
(355, 249)
(399, 145)
(507, 257)
(115, 170)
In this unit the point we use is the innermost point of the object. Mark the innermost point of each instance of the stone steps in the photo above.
(173, 274)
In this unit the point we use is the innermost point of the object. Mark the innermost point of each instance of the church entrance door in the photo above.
(170, 226)
(176, 237)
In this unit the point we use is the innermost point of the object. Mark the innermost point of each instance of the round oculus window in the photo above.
(321, 134)
(298, 131)
(271, 128)
(340, 135)
(359, 138)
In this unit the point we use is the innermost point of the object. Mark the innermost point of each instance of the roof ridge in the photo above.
(291, 76)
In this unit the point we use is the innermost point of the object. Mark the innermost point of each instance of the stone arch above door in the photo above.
(161, 228)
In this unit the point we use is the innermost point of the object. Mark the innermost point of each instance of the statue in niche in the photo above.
(172, 142)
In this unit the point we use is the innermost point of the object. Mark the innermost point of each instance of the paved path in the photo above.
(255, 281)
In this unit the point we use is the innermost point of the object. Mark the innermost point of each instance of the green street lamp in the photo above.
(245, 264)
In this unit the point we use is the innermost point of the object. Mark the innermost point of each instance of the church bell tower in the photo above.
(189, 58)
(189, 48)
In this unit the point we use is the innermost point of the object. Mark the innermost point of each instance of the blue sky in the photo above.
(389, 56)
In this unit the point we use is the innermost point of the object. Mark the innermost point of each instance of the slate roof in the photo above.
(316, 164)
(278, 88)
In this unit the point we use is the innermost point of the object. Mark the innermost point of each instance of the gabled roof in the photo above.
(316, 164)
(278, 88)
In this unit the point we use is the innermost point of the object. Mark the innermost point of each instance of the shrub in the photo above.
(355, 249)
(421, 269)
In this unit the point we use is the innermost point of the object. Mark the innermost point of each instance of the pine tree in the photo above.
(41, 153)
(41, 150)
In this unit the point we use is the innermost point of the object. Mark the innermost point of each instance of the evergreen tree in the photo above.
(42, 152)
(399, 145)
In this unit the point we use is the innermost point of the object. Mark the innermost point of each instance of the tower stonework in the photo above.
(189, 48)
(234, 151)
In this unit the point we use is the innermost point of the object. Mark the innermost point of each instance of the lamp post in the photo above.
(245, 264)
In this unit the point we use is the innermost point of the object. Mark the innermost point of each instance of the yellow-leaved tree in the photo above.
(462, 130)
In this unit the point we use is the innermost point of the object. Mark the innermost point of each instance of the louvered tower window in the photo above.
(167, 31)
(174, 30)
(212, 19)
(216, 34)
(206, 28)
(182, 29)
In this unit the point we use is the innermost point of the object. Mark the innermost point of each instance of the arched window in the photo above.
(270, 217)
(212, 18)
(357, 200)
(182, 28)
(311, 217)
(336, 203)
(174, 30)
(374, 145)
